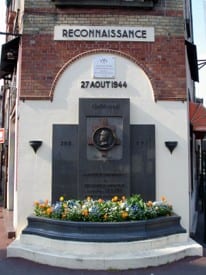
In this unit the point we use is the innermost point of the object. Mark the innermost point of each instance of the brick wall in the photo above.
(162, 4)
(163, 61)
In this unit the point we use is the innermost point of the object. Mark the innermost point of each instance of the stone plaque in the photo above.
(64, 161)
(143, 161)
(104, 66)
(104, 148)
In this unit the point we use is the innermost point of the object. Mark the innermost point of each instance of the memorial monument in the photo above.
(104, 155)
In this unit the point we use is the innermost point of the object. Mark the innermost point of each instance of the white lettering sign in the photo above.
(103, 33)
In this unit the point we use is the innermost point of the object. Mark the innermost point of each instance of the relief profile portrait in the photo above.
(104, 138)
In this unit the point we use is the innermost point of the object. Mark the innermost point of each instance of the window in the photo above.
(107, 3)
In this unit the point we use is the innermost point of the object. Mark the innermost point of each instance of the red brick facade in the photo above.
(163, 60)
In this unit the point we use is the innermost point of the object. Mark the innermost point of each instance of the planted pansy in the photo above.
(115, 210)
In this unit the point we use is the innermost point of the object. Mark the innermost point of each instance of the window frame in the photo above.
(146, 4)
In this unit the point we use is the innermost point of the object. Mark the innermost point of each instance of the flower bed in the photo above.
(119, 220)
(115, 210)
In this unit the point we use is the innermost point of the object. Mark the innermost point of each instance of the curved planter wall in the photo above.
(104, 232)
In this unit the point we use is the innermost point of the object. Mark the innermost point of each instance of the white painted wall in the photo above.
(37, 117)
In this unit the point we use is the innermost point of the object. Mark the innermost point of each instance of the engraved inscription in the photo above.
(65, 143)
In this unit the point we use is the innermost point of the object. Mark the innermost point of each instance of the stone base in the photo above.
(103, 246)
(104, 231)
(104, 256)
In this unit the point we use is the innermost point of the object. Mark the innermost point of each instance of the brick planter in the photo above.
(104, 232)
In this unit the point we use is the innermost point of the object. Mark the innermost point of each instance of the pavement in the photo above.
(19, 266)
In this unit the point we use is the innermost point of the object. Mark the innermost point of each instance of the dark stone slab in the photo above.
(103, 232)
(104, 155)
(104, 162)
(143, 161)
(64, 161)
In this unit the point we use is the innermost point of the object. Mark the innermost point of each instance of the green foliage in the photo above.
(114, 210)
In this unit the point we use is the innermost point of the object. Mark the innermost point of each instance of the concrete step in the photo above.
(104, 256)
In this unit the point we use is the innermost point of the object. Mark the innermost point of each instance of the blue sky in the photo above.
(199, 30)
(199, 22)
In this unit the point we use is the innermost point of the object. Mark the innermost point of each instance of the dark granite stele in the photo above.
(104, 231)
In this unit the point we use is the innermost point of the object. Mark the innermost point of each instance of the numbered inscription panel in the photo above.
(143, 161)
(64, 161)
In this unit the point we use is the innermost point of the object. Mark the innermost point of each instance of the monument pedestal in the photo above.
(104, 256)
(104, 246)
(126, 231)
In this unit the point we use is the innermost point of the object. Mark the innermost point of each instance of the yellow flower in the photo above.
(65, 205)
(64, 216)
(66, 211)
(61, 198)
(105, 216)
(115, 199)
(123, 198)
(89, 198)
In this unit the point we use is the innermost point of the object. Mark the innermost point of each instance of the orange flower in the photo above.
(149, 203)
(124, 214)
(49, 211)
(163, 199)
(100, 200)
(42, 205)
(46, 202)
(36, 203)
(85, 212)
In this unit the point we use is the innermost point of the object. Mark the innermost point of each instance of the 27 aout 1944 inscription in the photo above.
(103, 84)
